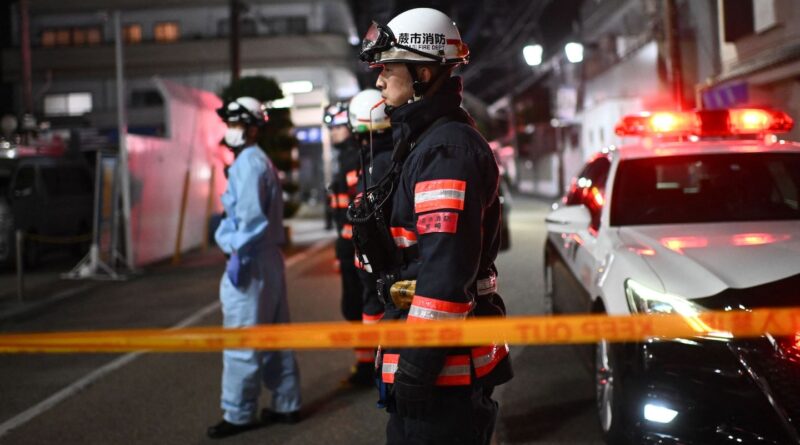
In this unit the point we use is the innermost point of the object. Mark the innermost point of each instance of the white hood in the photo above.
(700, 260)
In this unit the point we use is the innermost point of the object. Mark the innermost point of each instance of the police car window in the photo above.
(707, 188)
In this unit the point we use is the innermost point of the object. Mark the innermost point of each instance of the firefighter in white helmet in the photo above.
(342, 190)
(372, 132)
(445, 221)
(253, 287)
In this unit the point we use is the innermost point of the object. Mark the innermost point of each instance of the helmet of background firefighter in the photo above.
(420, 35)
(366, 112)
(335, 114)
(245, 110)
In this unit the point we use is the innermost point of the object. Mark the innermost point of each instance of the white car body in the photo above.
(685, 226)
(726, 254)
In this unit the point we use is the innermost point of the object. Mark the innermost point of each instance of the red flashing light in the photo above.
(742, 121)
(755, 121)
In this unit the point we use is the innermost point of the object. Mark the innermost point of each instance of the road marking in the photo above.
(87, 380)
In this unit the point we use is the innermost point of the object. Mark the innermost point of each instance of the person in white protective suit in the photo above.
(253, 287)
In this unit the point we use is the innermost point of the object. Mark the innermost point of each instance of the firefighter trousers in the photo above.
(459, 415)
(352, 290)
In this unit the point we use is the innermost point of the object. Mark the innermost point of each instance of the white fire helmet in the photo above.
(420, 35)
(245, 110)
(366, 112)
(335, 114)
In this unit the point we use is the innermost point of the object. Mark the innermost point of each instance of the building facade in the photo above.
(306, 46)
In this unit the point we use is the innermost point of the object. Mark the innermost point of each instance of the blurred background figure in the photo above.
(342, 191)
(372, 132)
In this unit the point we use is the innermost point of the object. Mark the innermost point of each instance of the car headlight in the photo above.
(644, 300)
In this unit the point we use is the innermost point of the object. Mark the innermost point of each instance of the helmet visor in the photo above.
(379, 38)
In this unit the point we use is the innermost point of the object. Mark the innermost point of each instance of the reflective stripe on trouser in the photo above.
(260, 300)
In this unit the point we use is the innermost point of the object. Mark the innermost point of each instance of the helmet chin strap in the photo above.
(420, 87)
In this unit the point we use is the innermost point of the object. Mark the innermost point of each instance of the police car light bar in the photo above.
(735, 122)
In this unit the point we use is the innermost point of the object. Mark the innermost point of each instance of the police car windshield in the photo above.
(706, 188)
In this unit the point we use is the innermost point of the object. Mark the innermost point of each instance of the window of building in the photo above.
(63, 37)
(79, 36)
(94, 36)
(49, 38)
(166, 32)
(132, 33)
(69, 104)
(146, 98)
(72, 36)
(286, 25)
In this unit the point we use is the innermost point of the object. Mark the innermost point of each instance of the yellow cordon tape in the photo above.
(543, 330)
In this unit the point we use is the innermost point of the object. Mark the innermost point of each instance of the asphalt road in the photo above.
(172, 398)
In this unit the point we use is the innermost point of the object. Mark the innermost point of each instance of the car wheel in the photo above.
(609, 398)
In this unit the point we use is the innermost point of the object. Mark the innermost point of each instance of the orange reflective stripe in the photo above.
(403, 238)
(455, 372)
(371, 319)
(340, 201)
(352, 178)
(439, 194)
(485, 358)
(425, 309)
(347, 231)
(389, 367)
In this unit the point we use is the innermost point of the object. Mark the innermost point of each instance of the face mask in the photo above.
(234, 137)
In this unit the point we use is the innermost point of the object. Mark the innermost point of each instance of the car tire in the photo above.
(609, 401)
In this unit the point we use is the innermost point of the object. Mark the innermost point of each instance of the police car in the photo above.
(702, 213)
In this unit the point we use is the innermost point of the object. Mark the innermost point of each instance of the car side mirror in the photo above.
(569, 219)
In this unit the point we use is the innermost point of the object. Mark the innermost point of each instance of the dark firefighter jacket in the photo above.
(447, 213)
(380, 165)
(343, 188)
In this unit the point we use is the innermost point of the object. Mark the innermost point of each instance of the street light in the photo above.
(532, 54)
(574, 52)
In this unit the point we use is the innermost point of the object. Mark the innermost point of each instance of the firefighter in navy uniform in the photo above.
(342, 191)
(445, 218)
(372, 132)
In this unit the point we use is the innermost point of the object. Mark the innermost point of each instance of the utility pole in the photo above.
(122, 124)
(234, 40)
(25, 52)
(674, 45)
